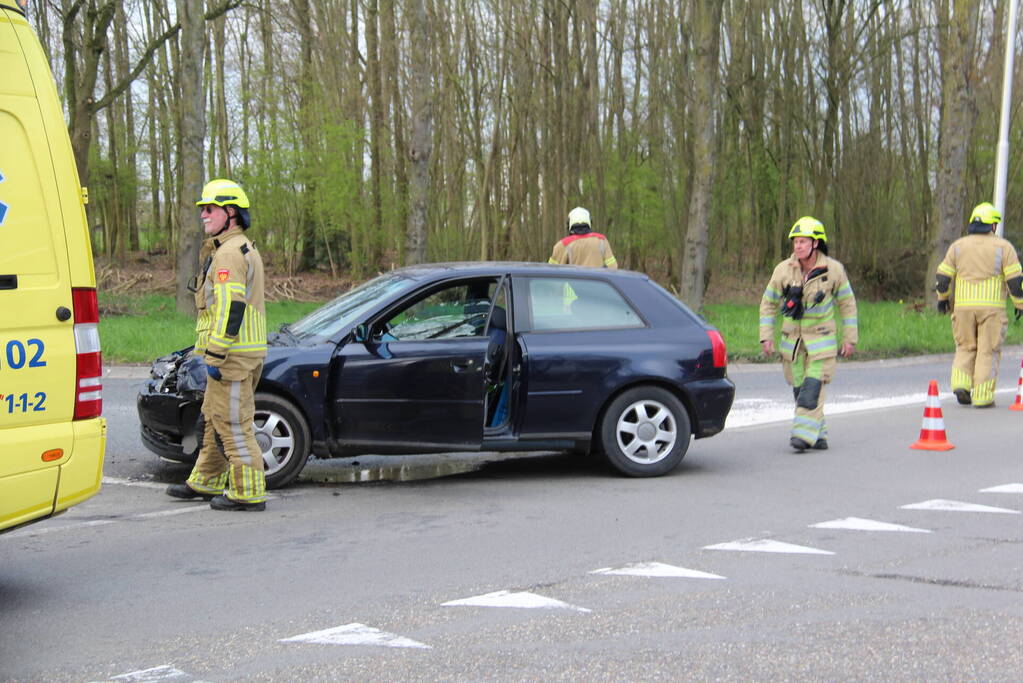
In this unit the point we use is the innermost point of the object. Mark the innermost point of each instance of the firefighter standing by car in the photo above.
(583, 247)
(982, 266)
(231, 338)
(806, 287)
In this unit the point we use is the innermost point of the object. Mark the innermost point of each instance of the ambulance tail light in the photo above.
(89, 360)
(718, 348)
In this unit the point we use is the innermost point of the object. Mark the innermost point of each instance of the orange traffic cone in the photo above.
(1018, 404)
(932, 433)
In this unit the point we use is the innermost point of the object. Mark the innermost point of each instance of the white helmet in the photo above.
(578, 216)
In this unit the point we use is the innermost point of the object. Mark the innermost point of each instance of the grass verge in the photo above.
(888, 329)
(137, 329)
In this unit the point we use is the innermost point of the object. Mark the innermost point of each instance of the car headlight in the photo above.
(161, 369)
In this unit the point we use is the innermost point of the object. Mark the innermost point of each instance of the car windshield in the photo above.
(347, 309)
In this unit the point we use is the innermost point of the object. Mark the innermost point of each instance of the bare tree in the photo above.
(421, 147)
(706, 23)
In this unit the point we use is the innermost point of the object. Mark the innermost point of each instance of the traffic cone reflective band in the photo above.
(1018, 403)
(932, 433)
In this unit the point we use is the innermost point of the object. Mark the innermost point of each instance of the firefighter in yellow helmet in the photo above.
(231, 338)
(977, 270)
(583, 247)
(806, 288)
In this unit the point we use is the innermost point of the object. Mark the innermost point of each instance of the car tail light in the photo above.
(89, 360)
(717, 345)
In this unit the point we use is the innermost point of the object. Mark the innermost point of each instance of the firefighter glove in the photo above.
(1019, 313)
(213, 372)
(943, 306)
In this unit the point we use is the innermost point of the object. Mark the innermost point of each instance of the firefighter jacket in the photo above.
(982, 266)
(824, 288)
(231, 323)
(588, 249)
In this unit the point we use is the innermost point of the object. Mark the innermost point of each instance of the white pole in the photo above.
(1002, 160)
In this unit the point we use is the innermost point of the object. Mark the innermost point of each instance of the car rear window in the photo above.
(557, 303)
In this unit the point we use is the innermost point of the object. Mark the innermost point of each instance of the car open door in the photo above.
(415, 382)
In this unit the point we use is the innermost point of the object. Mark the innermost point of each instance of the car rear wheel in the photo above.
(645, 432)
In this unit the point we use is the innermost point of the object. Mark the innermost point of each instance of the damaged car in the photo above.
(471, 357)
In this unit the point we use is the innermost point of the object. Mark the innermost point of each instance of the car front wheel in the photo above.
(645, 432)
(282, 435)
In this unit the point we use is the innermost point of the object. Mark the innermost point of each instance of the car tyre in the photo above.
(283, 437)
(645, 432)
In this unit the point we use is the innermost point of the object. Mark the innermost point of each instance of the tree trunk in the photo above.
(957, 26)
(420, 30)
(707, 21)
(192, 115)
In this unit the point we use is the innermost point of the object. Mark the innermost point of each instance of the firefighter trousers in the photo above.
(978, 333)
(809, 380)
(230, 461)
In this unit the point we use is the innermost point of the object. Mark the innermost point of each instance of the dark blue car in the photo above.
(472, 357)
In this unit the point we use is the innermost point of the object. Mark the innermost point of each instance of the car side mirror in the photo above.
(361, 333)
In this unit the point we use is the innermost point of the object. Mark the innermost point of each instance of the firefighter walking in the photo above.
(806, 288)
(976, 271)
(231, 338)
(583, 247)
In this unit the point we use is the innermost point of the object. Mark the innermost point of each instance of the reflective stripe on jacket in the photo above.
(979, 265)
(817, 328)
(589, 249)
(231, 323)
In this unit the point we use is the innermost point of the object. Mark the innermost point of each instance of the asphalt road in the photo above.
(489, 574)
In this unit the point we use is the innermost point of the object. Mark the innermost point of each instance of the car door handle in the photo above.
(463, 367)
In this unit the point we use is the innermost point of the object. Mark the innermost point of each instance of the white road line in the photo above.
(521, 600)
(130, 482)
(860, 524)
(1004, 488)
(656, 569)
(170, 513)
(165, 672)
(764, 545)
(957, 506)
(355, 634)
(750, 412)
(28, 533)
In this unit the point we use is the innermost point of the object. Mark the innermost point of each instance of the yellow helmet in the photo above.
(808, 226)
(223, 192)
(985, 212)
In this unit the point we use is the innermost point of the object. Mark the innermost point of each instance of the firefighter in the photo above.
(583, 247)
(806, 288)
(982, 266)
(231, 339)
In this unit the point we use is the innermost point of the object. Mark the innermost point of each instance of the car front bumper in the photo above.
(168, 423)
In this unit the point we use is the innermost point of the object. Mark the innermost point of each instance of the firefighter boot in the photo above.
(224, 503)
(185, 491)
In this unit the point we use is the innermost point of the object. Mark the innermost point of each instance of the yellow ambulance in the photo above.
(52, 437)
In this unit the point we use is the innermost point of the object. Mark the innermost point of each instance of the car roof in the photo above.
(428, 271)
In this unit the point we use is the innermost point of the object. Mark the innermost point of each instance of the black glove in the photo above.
(1019, 313)
(943, 306)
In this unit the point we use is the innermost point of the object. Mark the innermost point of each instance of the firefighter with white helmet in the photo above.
(976, 271)
(806, 288)
(582, 246)
(231, 339)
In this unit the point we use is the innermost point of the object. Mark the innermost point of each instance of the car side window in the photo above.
(578, 304)
(456, 311)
